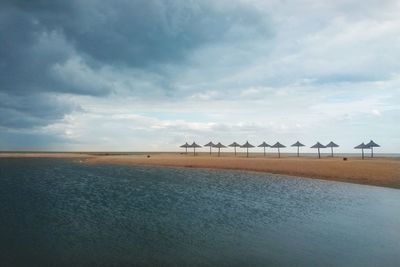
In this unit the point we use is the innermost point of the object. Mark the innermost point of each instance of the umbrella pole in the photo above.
(185, 150)
(219, 149)
(264, 151)
(210, 150)
(332, 152)
(247, 153)
(319, 155)
(279, 153)
(362, 153)
(235, 151)
(372, 151)
(298, 151)
(194, 151)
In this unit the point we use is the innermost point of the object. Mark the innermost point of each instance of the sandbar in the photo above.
(378, 171)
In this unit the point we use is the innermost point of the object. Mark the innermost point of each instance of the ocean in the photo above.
(56, 212)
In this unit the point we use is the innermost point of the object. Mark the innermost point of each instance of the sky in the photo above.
(150, 75)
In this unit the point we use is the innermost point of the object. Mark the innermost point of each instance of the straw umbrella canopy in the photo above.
(234, 145)
(247, 145)
(332, 145)
(371, 145)
(219, 146)
(194, 145)
(264, 145)
(298, 144)
(319, 146)
(210, 144)
(278, 146)
(362, 146)
(185, 146)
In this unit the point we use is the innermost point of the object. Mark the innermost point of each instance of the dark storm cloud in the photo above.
(135, 33)
(138, 33)
(38, 38)
(32, 110)
(28, 53)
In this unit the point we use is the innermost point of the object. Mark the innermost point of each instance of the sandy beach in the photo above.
(379, 171)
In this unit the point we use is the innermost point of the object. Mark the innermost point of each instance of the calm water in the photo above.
(64, 213)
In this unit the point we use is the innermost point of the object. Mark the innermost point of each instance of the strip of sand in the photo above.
(380, 171)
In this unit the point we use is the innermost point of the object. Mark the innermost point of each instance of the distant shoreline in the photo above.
(379, 171)
(270, 154)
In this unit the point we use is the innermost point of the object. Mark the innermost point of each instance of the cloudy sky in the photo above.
(146, 75)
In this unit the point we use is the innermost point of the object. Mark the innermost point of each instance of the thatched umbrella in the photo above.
(298, 144)
(219, 146)
(210, 144)
(362, 146)
(332, 145)
(278, 146)
(247, 145)
(371, 145)
(235, 145)
(194, 145)
(264, 145)
(319, 146)
(185, 145)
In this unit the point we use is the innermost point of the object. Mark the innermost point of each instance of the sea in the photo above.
(58, 212)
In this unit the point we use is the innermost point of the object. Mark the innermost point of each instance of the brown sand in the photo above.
(380, 171)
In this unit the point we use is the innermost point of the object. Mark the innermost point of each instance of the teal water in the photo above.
(65, 213)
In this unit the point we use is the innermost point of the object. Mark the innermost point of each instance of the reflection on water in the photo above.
(64, 213)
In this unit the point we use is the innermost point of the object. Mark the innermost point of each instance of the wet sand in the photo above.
(379, 171)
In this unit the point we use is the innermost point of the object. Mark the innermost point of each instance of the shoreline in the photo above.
(379, 171)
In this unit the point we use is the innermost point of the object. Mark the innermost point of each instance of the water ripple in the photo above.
(63, 213)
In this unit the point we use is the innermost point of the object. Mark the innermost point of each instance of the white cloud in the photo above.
(376, 112)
